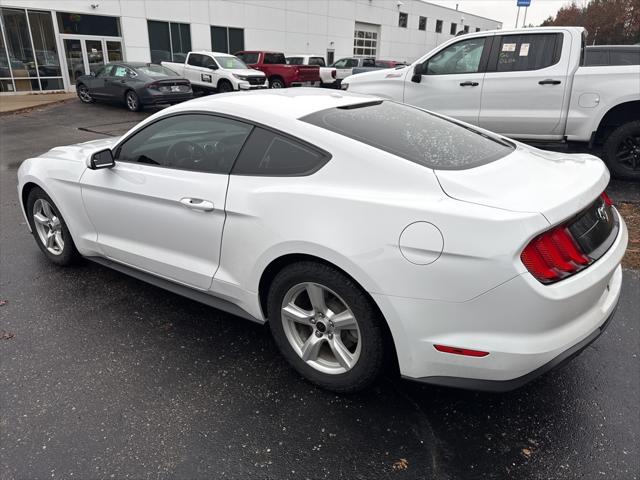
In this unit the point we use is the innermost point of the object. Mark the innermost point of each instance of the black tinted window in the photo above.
(274, 58)
(295, 61)
(249, 58)
(268, 154)
(413, 134)
(195, 59)
(319, 61)
(204, 143)
(528, 52)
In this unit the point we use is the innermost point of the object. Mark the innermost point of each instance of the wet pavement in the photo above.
(108, 377)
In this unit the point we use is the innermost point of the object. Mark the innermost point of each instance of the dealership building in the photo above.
(46, 44)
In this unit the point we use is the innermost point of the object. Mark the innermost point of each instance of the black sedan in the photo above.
(134, 84)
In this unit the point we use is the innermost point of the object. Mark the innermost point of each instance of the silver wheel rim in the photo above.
(48, 226)
(276, 84)
(84, 94)
(132, 102)
(321, 328)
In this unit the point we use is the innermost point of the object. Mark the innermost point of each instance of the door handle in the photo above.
(469, 84)
(197, 204)
(549, 81)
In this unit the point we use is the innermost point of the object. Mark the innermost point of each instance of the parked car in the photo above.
(473, 260)
(531, 86)
(327, 74)
(379, 65)
(221, 72)
(344, 66)
(279, 74)
(135, 84)
(611, 55)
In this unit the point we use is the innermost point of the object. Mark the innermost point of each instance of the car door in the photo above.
(195, 73)
(344, 67)
(118, 82)
(525, 86)
(161, 208)
(450, 82)
(99, 84)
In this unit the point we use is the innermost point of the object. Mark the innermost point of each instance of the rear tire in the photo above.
(132, 101)
(350, 342)
(49, 229)
(621, 151)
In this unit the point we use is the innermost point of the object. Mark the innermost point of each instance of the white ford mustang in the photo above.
(365, 231)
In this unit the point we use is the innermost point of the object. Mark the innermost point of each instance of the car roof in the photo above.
(209, 52)
(267, 106)
(304, 55)
(133, 64)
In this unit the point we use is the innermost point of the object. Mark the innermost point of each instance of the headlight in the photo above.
(240, 77)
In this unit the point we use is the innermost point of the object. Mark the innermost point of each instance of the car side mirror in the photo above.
(102, 159)
(417, 73)
(213, 66)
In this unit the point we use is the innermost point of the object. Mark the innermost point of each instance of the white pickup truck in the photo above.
(327, 74)
(215, 71)
(528, 84)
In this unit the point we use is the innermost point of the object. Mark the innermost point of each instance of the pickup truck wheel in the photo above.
(326, 327)
(276, 83)
(622, 151)
(224, 86)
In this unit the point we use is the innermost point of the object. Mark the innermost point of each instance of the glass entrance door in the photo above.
(85, 55)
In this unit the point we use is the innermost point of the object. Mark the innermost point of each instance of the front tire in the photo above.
(132, 101)
(276, 83)
(49, 229)
(83, 94)
(326, 327)
(621, 151)
(224, 86)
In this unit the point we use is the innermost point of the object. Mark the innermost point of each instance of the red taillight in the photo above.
(606, 199)
(553, 255)
(460, 351)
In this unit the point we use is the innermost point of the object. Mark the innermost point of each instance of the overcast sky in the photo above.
(506, 10)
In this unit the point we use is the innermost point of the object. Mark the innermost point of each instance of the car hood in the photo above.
(81, 151)
(556, 185)
(248, 71)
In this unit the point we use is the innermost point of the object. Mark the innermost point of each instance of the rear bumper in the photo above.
(165, 98)
(526, 327)
(508, 385)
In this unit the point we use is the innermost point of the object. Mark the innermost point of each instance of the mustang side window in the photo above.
(198, 142)
(269, 154)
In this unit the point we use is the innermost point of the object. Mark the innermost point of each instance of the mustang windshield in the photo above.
(413, 134)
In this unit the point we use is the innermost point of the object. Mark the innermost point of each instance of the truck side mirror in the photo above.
(417, 73)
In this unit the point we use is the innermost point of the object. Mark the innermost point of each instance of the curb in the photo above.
(32, 107)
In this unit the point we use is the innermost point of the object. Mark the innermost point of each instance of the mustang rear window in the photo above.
(413, 134)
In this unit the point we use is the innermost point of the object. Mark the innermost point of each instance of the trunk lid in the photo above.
(557, 185)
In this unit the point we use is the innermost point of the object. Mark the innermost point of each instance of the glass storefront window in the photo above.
(83, 24)
(18, 43)
(114, 51)
(44, 42)
(169, 42)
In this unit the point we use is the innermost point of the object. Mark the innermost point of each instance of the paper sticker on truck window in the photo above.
(205, 78)
(509, 47)
(524, 50)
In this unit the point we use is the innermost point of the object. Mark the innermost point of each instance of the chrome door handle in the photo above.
(197, 204)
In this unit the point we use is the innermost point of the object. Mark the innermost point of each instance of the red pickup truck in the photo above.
(280, 75)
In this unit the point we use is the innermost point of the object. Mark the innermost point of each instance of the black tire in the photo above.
(224, 86)
(369, 364)
(621, 151)
(69, 254)
(132, 101)
(83, 93)
(276, 82)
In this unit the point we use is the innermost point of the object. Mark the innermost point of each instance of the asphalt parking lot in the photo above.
(103, 376)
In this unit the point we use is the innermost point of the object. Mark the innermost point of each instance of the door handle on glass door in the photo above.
(549, 81)
(469, 84)
(197, 204)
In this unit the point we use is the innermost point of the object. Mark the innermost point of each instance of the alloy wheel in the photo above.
(132, 101)
(83, 93)
(321, 328)
(628, 153)
(48, 226)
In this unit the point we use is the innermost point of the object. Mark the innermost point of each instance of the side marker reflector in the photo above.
(460, 351)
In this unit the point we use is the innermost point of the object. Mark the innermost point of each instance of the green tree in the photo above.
(614, 22)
